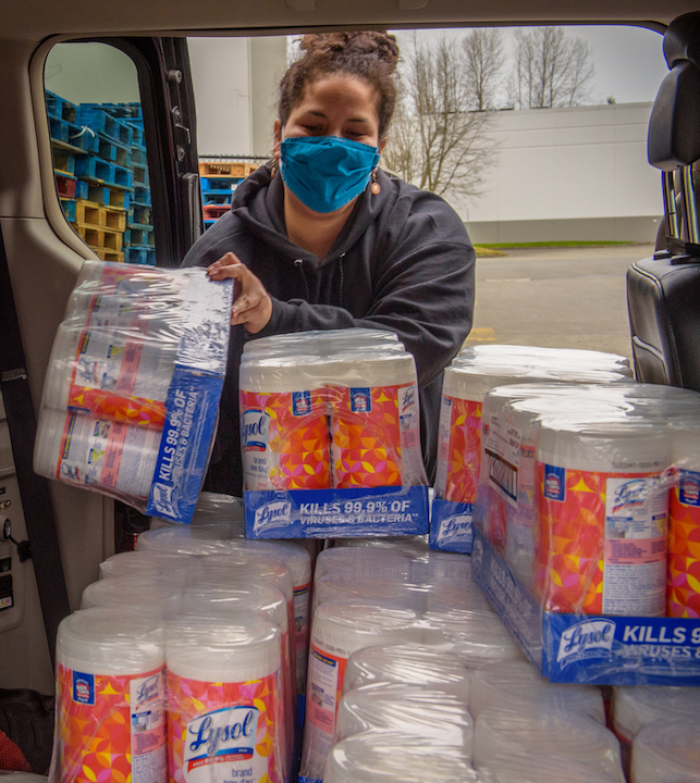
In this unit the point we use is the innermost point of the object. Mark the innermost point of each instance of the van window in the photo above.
(99, 150)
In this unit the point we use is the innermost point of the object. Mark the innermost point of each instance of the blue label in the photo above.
(360, 400)
(84, 688)
(689, 488)
(191, 414)
(451, 527)
(301, 403)
(326, 513)
(255, 426)
(590, 649)
(554, 483)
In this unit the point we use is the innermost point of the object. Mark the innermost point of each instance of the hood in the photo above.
(259, 203)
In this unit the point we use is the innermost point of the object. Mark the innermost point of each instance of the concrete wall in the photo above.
(578, 173)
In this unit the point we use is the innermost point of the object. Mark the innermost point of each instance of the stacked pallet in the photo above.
(218, 182)
(102, 177)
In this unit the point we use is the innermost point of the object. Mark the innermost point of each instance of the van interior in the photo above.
(54, 56)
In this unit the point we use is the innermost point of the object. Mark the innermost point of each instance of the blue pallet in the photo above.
(139, 216)
(138, 139)
(72, 135)
(139, 237)
(68, 206)
(102, 172)
(102, 122)
(140, 255)
(140, 175)
(64, 162)
(101, 194)
(59, 107)
(122, 111)
(114, 153)
(141, 196)
(219, 185)
(138, 155)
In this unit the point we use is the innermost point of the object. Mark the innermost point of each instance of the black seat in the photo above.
(663, 292)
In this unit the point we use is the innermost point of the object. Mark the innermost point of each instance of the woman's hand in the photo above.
(252, 305)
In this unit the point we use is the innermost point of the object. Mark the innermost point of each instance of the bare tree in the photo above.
(436, 142)
(483, 66)
(551, 69)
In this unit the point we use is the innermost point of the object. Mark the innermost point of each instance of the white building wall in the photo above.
(578, 173)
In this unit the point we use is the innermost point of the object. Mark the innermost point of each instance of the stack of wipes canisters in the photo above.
(111, 721)
(329, 410)
(667, 751)
(133, 385)
(465, 383)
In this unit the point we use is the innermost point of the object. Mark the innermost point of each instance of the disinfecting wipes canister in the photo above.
(111, 720)
(667, 750)
(603, 517)
(339, 628)
(224, 718)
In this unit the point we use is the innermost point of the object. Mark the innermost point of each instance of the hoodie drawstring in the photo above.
(299, 264)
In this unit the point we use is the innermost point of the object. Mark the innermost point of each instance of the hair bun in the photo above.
(362, 43)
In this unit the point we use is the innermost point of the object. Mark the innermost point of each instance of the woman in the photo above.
(321, 238)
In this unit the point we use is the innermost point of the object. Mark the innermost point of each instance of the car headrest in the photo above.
(674, 125)
(682, 40)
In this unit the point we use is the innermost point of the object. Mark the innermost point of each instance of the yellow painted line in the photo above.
(482, 334)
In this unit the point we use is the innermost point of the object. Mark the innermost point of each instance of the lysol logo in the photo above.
(631, 494)
(690, 488)
(554, 482)
(301, 403)
(149, 689)
(578, 640)
(272, 515)
(254, 430)
(84, 688)
(409, 398)
(360, 400)
(223, 736)
(455, 528)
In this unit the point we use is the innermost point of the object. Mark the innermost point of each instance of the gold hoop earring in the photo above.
(375, 188)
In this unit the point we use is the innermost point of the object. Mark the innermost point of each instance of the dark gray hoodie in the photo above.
(403, 262)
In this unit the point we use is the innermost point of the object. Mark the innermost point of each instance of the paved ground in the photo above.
(556, 297)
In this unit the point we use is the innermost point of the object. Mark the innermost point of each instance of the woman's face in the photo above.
(336, 105)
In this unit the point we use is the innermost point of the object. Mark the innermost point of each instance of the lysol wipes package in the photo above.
(131, 395)
(472, 374)
(330, 436)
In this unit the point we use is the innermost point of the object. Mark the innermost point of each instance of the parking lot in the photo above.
(556, 297)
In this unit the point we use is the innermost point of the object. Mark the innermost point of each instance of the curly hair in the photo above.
(371, 56)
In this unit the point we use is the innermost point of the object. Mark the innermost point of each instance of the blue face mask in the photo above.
(326, 172)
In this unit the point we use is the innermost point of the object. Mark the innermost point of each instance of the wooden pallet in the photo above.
(92, 214)
(100, 237)
(105, 254)
(218, 169)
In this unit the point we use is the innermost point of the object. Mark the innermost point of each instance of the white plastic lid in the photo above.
(423, 666)
(455, 594)
(431, 715)
(345, 626)
(370, 368)
(667, 751)
(242, 648)
(340, 585)
(392, 757)
(188, 539)
(148, 592)
(518, 686)
(296, 557)
(573, 357)
(410, 545)
(367, 561)
(527, 767)
(433, 567)
(314, 340)
(279, 374)
(634, 707)
(552, 732)
(685, 436)
(614, 447)
(110, 640)
(174, 567)
(229, 600)
(240, 564)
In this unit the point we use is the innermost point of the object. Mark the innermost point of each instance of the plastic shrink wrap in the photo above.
(339, 628)
(549, 733)
(330, 436)
(667, 752)
(635, 707)
(110, 698)
(530, 768)
(573, 516)
(224, 706)
(132, 390)
(431, 716)
(390, 758)
(472, 374)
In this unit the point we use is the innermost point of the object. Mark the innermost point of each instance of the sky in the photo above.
(629, 63)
